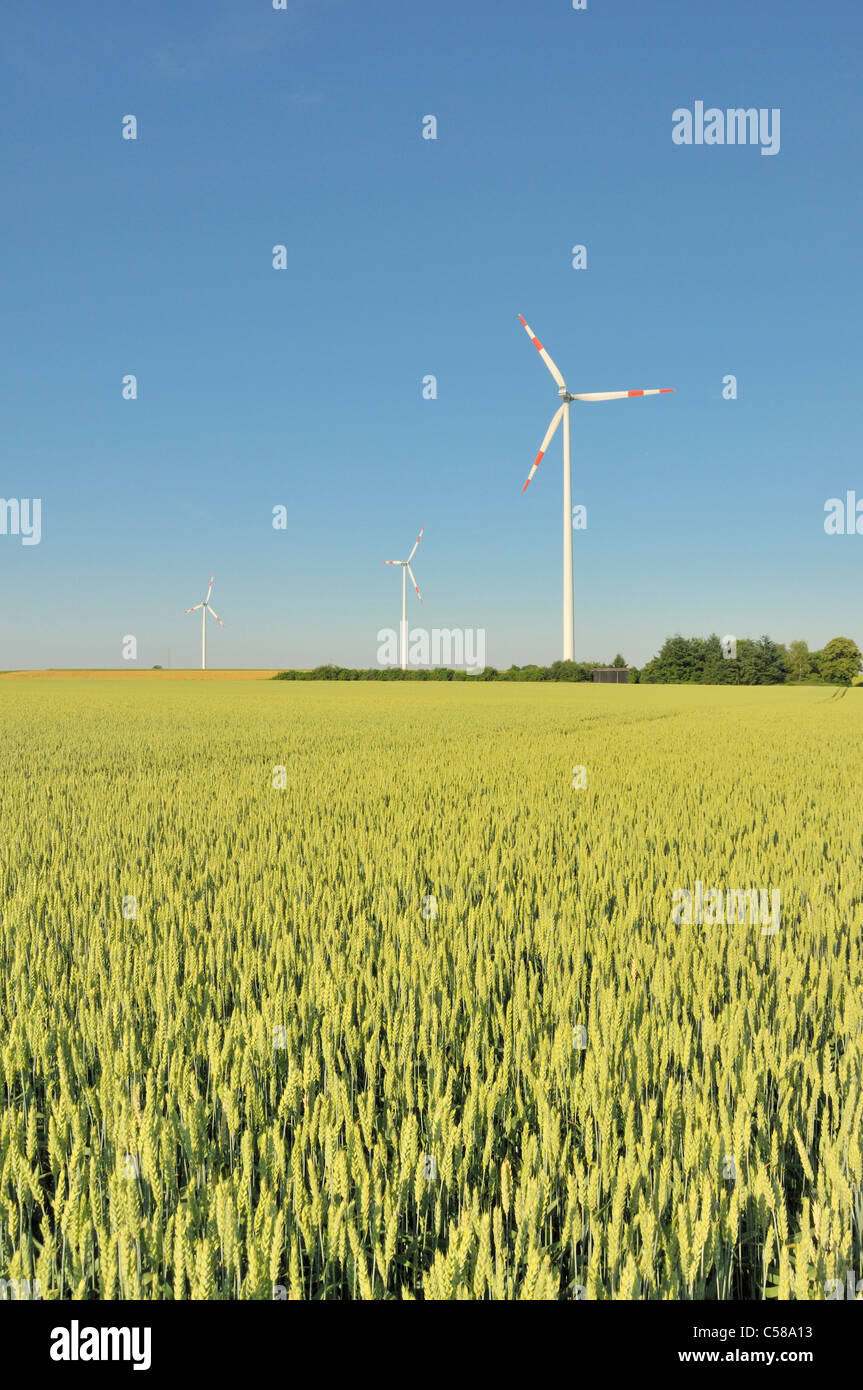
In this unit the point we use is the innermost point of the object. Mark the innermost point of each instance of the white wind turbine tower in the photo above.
(406, 570)
(205, 609)
(563, 414)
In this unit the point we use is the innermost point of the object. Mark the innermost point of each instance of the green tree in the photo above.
(680, 660)
(840, 660)
(568, 671)
(799, 661)
(717, 669)
(618, 663)
(763, 662)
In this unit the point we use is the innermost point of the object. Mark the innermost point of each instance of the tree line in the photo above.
(681, 661)
(701, 661)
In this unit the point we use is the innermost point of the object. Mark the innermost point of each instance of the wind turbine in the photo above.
(205, 609)
(563, 414)
(406, 570)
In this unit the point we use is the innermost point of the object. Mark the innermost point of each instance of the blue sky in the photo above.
(409, 257)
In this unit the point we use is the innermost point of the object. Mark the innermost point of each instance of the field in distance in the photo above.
(334, 991)
(117, 674)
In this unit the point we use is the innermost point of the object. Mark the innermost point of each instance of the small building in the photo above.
(611, 675)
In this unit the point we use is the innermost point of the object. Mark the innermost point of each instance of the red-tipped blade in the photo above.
(552, 367)
(621, 395)
(549, 435)
(416, 543)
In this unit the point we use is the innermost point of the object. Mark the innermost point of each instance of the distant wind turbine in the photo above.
(406, 570)
(205, 609)
(563, 414)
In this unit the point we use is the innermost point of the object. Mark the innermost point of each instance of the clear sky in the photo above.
(407, 257)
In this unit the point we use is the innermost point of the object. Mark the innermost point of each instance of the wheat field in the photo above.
(320, 991)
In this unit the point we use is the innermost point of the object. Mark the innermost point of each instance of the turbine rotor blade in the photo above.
(192, 610)
(621, 395)
(552, 367)
(210, 590)
(395, 562)
(215, 615)
(416, 543)
(549, 435)
(413, 581)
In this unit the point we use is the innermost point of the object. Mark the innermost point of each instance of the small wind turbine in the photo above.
(205, 609)
(406, 570)
(563, 414)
